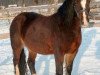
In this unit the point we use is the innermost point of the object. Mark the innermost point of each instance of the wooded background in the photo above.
(26, 2)
(91, 5)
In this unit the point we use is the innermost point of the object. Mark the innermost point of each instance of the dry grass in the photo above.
(4, 36)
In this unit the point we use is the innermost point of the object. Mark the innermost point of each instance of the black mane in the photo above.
(66, 11)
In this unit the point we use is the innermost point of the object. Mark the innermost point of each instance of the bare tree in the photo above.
(35, 2)
(23, 3)
(56, 3)
(88, 8)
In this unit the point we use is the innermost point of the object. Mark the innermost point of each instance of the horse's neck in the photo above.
(66, 11)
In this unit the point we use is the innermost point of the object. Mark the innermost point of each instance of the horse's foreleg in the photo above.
(31, 62)
(69, 62)
(59, 58)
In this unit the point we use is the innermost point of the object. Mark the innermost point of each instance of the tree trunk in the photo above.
(35, 2)
(88, 8)
(56, 3)
(23, 3)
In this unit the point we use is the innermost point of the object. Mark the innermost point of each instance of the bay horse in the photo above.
(58, 34)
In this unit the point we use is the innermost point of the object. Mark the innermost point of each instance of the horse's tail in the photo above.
(22, 63)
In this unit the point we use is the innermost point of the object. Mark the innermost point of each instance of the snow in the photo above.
(4, 26)
(87, 61)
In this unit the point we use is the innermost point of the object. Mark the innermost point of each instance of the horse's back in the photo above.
(20, 20)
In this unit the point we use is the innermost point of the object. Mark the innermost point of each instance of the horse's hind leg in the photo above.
(31, 62)
(19, 61)
(69, 58)
(18, 56)
(22, 63)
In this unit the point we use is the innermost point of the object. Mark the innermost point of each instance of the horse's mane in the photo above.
(66, 11)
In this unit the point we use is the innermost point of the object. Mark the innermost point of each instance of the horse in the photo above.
(58, 34)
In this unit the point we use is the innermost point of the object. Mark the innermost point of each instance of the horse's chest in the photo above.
(67, 41)
(68, 37)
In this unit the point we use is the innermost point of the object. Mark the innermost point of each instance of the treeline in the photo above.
(25, 2)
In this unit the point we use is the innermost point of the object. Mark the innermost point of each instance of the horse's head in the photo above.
(81, 11)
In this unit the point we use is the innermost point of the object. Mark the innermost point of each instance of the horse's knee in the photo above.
(59, 69)
(31, 61)
(31, 64)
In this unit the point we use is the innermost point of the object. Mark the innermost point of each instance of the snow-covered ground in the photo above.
(87, 61)
(4, 26)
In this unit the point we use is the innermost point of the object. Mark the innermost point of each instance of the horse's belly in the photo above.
(40, 48)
